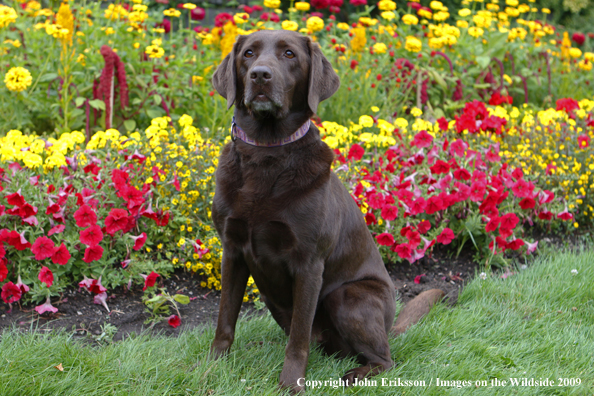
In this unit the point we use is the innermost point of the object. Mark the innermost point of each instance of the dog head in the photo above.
(274, 73)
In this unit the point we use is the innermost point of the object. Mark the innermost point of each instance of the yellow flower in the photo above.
(115, 12)
(409, 19)
(302, 6)
(475, 31)
(386, 5)
(366, 121)
(189, 6)
(464, 12)
(290, 25)
(315, 24)
(272, 3)
(388, 15)
(413, 44)
(241, 17)
(575, 52)
(375, 109)
(512, 3)
(436, 5)
(7, 16)
(546, 11)
(343, 26)
(380, 48)
(172, 12)
(416, 112)
(462, 24)
(154, 51)
(18, 79)
(65, 19)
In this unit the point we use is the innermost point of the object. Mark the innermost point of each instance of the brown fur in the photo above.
(287, 220)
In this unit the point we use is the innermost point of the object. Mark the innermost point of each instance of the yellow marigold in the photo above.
(441, 16)
(388, 15)
(18, 79)
(315, 24)
(545, 11)
(475, 31)
(413, 44)
(423, 13)
(272, 3)
(65, 19)
(359, 40)
(115, 12)
(386, 5)
(189, 6)
(512, 3)
(7, 16)
(241, 17)
(462, 24)
(302, 6)
(366, 121)
(436, 5)
(512, 12)
(343, 26)
(464, 12)
(575, 52)
(290, 25)
(172, 12)
(154, 51)
(585, 64)
(409, 19)
(380, 48)
(589, 56)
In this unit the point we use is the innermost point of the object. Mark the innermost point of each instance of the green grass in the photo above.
(522, 327)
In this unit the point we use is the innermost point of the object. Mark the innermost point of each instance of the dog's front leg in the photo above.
(306, 290)
(234, 277)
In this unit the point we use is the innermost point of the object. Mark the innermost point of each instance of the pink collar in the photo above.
(237, 132)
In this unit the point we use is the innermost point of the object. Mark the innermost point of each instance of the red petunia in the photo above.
(149, 280)
(46, 276)
(174, 321)
(422, 139)
(356, 152)
(3, 269)
(565, 215)
(403, 250)
(443, 124)
(477, 191)
(527, 203)
(91, 236)
(434, 204)
(85, 216)
(61, 255)
(11, 293)
(446, 236)
(424, 226)
(93, 253)
(56, 230)
(509, 221)
(515, 244)
(545, 215)
(385, 239)
(440, 167)
(15, 239)
(116, 220)
(389, 212)
(43, 248)
(15, 199)
(139, 241)
(492, 224)
(461, 174)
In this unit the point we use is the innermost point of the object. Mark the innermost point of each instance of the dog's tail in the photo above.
(415, 309)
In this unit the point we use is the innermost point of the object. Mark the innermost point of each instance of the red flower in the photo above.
(47, 306)
(515, 244)
(85, 216)
(443, 124)
(116, 220)
(477, 191)
(149, 280)
(389, 212)
(356, 152)
(320, 4)
(565, 215)
(522, 188)
(493, 224)
(15, 199)
(93, 253)
(43, 248)
(417, 206)
(174, 321)
(434, 204)
(46, 276)
(61, 255)
(509, 221)
(15, 239)
(162, 219)
(11, 293)
(418, 278)
(139, 241)
(3, 269)
(197, 14)
(461, 174)
(440, 167)
(446, 236)
(424, 226)
(91, 236)
(422, 139)
(527, 203)
(545, 215)
(567, 104)
(96, 287)
(385, 239)
(583, 141)
(578, 38)
(358, 2)
(403, 250)
(56, 230)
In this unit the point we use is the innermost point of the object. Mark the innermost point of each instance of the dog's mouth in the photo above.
(261, 104)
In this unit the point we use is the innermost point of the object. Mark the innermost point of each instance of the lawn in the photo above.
(534, 325)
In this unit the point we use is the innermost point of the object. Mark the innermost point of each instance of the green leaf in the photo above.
(79, 101)
(130, 125)
(48, 77)
(153, 113)
(483, 61)
(181, 298)
(439, 80)
(158, 99)
(76, 112)
(97, 104)
(156, 299)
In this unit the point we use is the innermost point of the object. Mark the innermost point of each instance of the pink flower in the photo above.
(93, 253)
(139, 241)
(101, 298)
(43, 248)
(46, 276)
(47, 306)
(385, 239)
(85, 216)
(531, 247)
(446, 236)
(174, 321)
(24, 288)
(56, 230)
(61, 255)
(418, 278)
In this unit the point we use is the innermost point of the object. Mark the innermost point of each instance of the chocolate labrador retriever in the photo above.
(285, 218)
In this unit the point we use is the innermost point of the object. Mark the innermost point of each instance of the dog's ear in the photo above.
(224, 79)
(323, 80)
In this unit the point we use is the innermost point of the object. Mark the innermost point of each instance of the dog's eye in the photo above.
(289, 54)
(248, 53)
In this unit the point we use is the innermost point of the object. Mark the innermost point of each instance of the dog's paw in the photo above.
(293, 389)
(358, 373)
(218, 351)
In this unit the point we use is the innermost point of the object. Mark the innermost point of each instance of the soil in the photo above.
(77, 312)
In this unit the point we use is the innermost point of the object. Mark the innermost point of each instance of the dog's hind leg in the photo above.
(362, 313)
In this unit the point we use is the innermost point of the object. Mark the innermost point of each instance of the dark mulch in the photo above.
(78, 313)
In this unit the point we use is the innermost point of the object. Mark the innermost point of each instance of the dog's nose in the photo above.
(261, 74)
